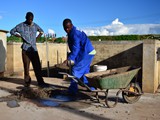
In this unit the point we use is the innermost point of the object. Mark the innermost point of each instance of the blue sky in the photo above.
(95, 17)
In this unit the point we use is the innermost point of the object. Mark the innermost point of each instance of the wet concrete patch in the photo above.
(64, 98)
(34, 93)
(46, 98)
(47, 103)
(58, 99)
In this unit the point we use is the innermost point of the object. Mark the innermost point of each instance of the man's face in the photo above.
(67, 27)
(29, 20)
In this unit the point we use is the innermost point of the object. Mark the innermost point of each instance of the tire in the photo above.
(130, 97)
(116, 99)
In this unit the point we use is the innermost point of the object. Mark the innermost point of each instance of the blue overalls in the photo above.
(80, 47)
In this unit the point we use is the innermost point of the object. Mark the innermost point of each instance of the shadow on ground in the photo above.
(52, 98)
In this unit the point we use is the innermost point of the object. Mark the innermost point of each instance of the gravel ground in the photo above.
(147, 108)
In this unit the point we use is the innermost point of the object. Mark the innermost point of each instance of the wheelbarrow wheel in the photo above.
(132, 93)
(115, 102)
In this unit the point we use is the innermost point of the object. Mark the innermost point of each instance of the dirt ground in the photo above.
(70, 107)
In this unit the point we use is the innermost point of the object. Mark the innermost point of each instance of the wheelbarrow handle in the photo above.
(76, 80)
(69, 76)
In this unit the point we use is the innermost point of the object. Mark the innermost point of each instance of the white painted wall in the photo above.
(3, 50)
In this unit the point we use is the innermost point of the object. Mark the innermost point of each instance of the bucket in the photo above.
(98, 68)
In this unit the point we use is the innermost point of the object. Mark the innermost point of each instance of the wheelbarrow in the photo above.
(118, 78)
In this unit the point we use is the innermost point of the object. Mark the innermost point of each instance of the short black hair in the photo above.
(29, 14)
(66, 21)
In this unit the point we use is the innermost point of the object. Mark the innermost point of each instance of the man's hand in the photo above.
(68, 62)
(39, 35)
(65, 62)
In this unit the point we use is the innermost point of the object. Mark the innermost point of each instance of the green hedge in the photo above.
(40, 40)
(14, 39)
(122, 37)
(94, 38)
(59, 40)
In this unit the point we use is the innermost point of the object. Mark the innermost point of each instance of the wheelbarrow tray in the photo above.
(112, 79)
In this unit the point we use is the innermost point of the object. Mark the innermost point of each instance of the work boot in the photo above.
(73, 88)
(27, 82)
(44, 85)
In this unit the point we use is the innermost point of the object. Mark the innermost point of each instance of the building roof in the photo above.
(4, 31)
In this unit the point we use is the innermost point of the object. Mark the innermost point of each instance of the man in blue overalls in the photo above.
(81, 54)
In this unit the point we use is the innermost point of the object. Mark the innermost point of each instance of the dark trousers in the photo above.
(33, 57)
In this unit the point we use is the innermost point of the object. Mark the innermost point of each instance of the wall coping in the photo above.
(117, 42)
(5, 31)
(103, 42)
(17, 43)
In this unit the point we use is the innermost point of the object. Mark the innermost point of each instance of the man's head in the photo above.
(67, 25)
(29, 18)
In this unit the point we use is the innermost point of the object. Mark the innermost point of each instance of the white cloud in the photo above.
(117, 22)
(144, 28)
(118, 28)
(50, 31)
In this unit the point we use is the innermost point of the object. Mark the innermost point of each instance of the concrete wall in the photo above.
(56, 54)
(118, 53)
(114, 54)
(3, 49)
(151, 66)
